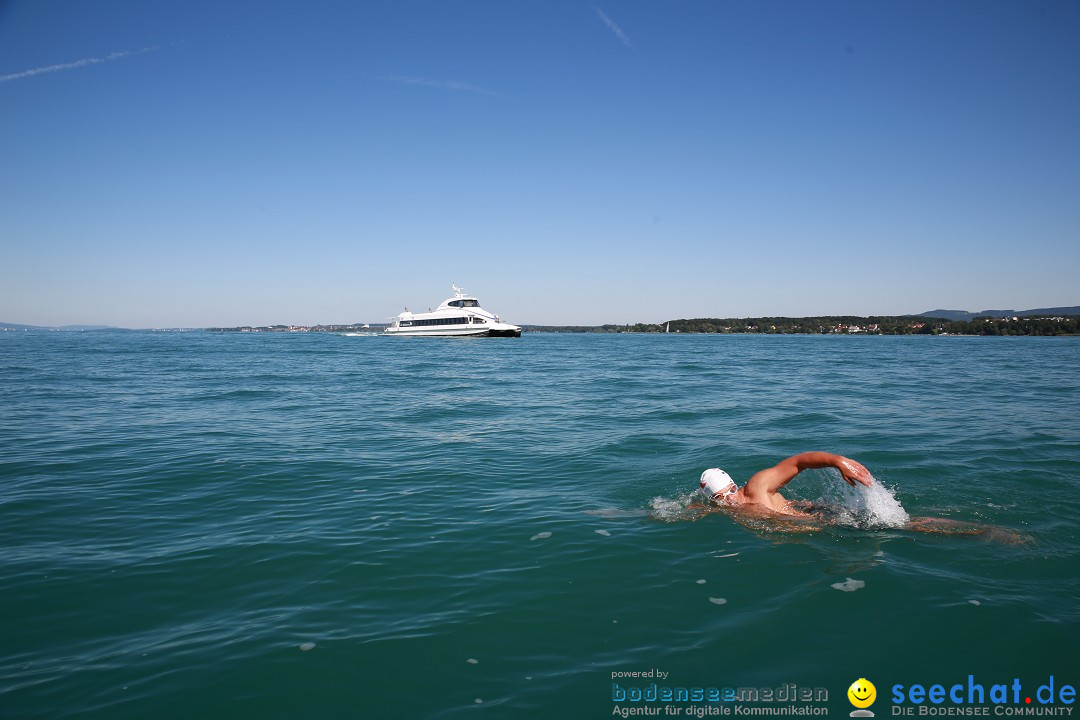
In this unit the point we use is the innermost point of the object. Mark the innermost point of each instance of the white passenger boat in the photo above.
(460, 315)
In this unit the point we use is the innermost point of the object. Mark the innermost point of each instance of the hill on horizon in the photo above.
(15, 326)
(966, 315)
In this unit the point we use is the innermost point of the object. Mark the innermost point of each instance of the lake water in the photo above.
(316, 525)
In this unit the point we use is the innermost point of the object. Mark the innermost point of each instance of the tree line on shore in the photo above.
(847, 324)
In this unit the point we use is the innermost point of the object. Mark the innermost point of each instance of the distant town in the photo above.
(358, 328)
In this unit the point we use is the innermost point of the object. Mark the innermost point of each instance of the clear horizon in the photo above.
(568, 163)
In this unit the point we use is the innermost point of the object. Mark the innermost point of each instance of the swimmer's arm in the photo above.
(945, 526)
(957, 527)
(769, 481)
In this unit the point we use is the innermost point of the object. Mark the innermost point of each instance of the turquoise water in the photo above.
(315, 525)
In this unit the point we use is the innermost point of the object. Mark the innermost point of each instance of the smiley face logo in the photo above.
(862, 693)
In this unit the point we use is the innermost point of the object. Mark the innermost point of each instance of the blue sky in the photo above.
(223, 163)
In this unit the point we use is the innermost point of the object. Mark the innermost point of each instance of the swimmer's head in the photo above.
(718, 485)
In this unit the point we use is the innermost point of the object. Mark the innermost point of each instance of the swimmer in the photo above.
(762, 491)
(761, 496)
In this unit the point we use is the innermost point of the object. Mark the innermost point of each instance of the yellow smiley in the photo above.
(862, 693)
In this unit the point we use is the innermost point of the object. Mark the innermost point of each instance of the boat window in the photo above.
(440, 321)
(470, 303)
(454, 303)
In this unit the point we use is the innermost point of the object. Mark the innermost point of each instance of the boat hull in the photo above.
(516, 332)
(448, 332)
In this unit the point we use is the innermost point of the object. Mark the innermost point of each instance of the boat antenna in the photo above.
(458, 292)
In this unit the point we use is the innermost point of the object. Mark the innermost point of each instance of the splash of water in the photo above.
(686, 506)
(875, 506)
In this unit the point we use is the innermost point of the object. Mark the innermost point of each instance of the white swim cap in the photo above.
(716, 482)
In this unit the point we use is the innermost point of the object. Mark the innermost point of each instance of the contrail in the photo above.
(613, 27)
(444, 84)
(72, 65)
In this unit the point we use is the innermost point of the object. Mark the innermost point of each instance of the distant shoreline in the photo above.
(1057, 325)
(1014, 325)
